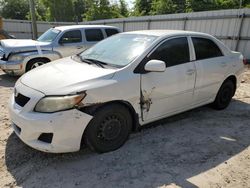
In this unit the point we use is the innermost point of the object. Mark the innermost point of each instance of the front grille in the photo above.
(21, 100)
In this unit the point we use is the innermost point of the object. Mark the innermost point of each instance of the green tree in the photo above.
(59, 10)
(14, 9)
(40, 11)
(123, 8)
(79, 9)
(100, 9)
(142, 7)
(163, 7)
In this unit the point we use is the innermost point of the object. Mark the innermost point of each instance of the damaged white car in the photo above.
(120, 84)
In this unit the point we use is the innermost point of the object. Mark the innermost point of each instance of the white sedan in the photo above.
(126, 81)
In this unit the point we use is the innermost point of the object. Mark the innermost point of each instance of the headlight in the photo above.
(16, 58)
(54, 104)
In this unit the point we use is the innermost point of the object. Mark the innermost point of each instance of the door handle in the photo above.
(79, 47)
(190, 71)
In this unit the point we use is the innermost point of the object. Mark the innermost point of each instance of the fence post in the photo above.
(1, 23)
(242, 16)
(149, 24)
(123, 25)
(185, 23)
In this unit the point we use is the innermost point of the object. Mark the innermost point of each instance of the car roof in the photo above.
(163, 33)
(62, 28)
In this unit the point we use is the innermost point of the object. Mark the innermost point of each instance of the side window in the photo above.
(71, 37)
(205, 48)
(111, 32)
(172, 52)
(93, 35)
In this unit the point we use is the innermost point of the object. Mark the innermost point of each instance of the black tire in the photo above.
(224, 95)
(32, 63)
(109, 129)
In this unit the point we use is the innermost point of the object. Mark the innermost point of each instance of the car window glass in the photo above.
(172, 52)
(93, 35)
(71, 37)
(205, 48)
(111, 32)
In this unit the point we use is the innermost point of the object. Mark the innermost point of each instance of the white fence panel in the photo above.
(230, 26)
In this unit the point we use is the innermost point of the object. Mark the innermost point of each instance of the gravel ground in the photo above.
(199, 148)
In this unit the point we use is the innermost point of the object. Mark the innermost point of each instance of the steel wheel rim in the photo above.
(110, 128)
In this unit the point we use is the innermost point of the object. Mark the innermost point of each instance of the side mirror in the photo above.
(155, 66)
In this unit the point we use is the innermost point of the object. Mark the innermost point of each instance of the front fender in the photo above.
(51, 55)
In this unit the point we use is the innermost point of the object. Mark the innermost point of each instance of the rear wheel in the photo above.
(224, 95)
(109, 129)
(34, 63)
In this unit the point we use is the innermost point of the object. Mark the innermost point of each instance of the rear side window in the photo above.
(93, 35)
(205, 48)
(172, 52)
(71, 37)
(111, 32)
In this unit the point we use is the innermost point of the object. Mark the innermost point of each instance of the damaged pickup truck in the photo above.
(128, 80)
(18, 56)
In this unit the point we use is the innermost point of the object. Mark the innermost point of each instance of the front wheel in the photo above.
(224, 95)
(109, 129)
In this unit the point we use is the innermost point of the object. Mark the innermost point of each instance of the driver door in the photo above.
(167, 92)
(70, 43)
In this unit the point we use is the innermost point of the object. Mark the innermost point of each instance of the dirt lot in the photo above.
(199, 148)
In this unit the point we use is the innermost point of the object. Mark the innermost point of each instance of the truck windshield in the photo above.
(49, 35)
(119, 50)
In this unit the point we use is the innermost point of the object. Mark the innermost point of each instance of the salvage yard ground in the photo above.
(199, 148)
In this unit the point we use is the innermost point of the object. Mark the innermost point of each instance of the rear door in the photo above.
(172, 90)
(92, 36)
(211, 66)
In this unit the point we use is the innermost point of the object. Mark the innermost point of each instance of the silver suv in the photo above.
(18, 56)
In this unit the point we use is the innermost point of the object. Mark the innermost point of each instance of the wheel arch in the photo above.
(232, 78)
(35, 59)
(93, 108)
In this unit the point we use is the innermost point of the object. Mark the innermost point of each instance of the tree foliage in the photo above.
(79, 10)
(142, 7)
(15, 9)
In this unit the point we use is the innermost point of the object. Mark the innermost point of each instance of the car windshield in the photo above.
(118, 50)
(49, 35)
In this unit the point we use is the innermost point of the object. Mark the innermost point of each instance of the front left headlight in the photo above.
(16, 58)
(58, 103)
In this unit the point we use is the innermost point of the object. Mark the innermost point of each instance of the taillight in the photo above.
(245, 61)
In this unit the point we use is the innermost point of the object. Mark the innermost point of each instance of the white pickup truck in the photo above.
(18, 56)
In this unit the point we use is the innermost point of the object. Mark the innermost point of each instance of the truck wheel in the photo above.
(109, 129)
(35, 63)
(224, 95)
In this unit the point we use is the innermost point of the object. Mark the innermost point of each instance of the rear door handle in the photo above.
(79, 47)
(190, 71)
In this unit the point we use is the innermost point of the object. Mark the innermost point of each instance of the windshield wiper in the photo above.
(97, 62)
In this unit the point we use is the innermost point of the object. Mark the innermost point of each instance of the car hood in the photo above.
(66, 76)
(22, 45)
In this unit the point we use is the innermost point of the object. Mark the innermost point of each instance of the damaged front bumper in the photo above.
(14, 68)
(64, 129)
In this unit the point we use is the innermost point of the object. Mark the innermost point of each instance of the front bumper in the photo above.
(15, 68)
(67, 127)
